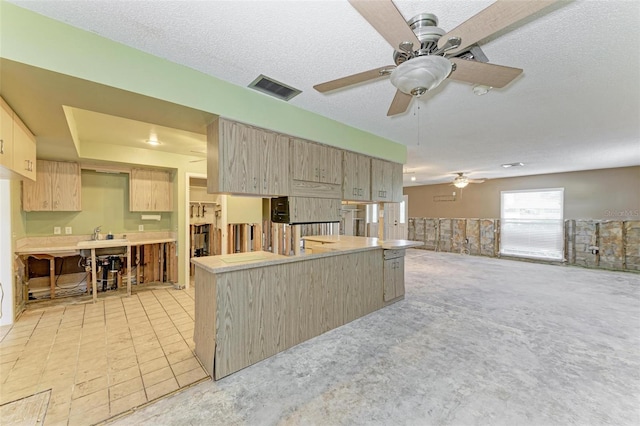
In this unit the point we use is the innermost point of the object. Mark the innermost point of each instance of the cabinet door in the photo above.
(24, 150)
(239, 163)
(66, 187)
(161, 191)
(399, 277)
(356, 185)
(329, 164)
(381, 185)
(275, 152)
(389, 279)
(140, 190)
(304, 165)
(310, 210)
(6, 135)
(396, 182)
(36, 196)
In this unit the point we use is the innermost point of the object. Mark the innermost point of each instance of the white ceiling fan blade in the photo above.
(399, 104)
(354, 79)
(494, 18)
(483, 73)
(388, 21)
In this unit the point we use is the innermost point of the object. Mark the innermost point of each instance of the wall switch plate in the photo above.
(56, 230)
(140, 228)
(67, 230)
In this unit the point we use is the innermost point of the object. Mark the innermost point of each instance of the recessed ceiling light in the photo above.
(413, 178)
(507, 165)
(153, 142)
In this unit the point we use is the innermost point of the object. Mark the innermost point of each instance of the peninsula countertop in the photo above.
(333, 245)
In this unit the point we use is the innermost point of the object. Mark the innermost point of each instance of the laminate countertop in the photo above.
(331, 246)
(71, 245)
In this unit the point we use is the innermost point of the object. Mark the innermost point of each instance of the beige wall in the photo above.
(593, 194)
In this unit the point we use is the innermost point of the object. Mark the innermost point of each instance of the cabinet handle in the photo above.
(255, 183)
(354, 191)
(1, 146)
(264, 183)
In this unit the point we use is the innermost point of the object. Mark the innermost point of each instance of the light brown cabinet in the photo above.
(17, 144)
(393, 274)
(356, 181)
(246, 160)
(6, 135)
(307, 209)
(314, 162)
(150, 191)
(386, 181)
(57, 188)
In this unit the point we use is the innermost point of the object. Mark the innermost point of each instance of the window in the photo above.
(403, 212)
(372, 213)
(531, 223)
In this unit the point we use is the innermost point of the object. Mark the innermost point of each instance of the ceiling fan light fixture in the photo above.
(460, 183)
(419, 75)
(481, 89)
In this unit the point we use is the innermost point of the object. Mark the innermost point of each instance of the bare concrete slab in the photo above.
(476, 341)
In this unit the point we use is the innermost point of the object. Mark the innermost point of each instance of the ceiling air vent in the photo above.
(274, 88)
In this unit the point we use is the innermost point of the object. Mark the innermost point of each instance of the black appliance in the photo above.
(280, 210)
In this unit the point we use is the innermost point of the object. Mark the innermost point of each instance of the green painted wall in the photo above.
(43, 42)
(105, 202)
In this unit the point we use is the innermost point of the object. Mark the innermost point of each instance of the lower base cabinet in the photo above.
(393, 274)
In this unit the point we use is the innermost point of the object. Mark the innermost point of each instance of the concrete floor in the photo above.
(476, 341)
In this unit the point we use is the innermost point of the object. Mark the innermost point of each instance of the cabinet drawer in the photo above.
(394, 253)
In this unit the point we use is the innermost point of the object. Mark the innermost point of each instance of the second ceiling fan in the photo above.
(426, 55)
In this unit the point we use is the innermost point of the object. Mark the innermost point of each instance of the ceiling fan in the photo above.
(426, 55)
(462, 181)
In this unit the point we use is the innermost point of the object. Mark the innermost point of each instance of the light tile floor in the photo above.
(101, 360)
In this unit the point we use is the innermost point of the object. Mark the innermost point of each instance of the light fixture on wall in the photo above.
(419, 75)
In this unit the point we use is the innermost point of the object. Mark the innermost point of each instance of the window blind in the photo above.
(531, 223)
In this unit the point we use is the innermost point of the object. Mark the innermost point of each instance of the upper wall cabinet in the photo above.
(356, 182)
(150, 191)
(57, 188)
(314, 162)
(243, 159)
(17, 144)
(386, 181)
(6, 135)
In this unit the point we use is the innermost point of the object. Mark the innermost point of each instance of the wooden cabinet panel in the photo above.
(6, 135)
(24, 150)
(275, 164)
(161, 191)
(396, 182)
(303, 164)
(381, 184)
(306, 209)
(242, 159)
(150, 191)
(66, 189)
(329, 164)
(140, 190)
(356, 184)
(393, 274)
(57, 188)
(314, 162)
(36, 196)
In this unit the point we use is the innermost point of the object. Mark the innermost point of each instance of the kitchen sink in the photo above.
(103, 247)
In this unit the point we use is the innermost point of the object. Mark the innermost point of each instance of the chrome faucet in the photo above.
(96, 233)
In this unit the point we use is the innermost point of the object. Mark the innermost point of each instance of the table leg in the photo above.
(94, 276)
(52, 277)
(128, 270)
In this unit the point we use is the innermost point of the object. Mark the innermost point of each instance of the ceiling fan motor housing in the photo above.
(425, 28)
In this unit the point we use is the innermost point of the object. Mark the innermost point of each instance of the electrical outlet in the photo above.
(57, 230)
(67, 230)
(140, 228)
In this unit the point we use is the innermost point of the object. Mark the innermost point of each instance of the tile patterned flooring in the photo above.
(101, 360)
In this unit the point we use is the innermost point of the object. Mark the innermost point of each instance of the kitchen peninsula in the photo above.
(250, 306)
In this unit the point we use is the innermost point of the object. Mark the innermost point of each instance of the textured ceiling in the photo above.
(576, 107)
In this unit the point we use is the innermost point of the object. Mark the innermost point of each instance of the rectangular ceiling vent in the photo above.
(274, 88)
